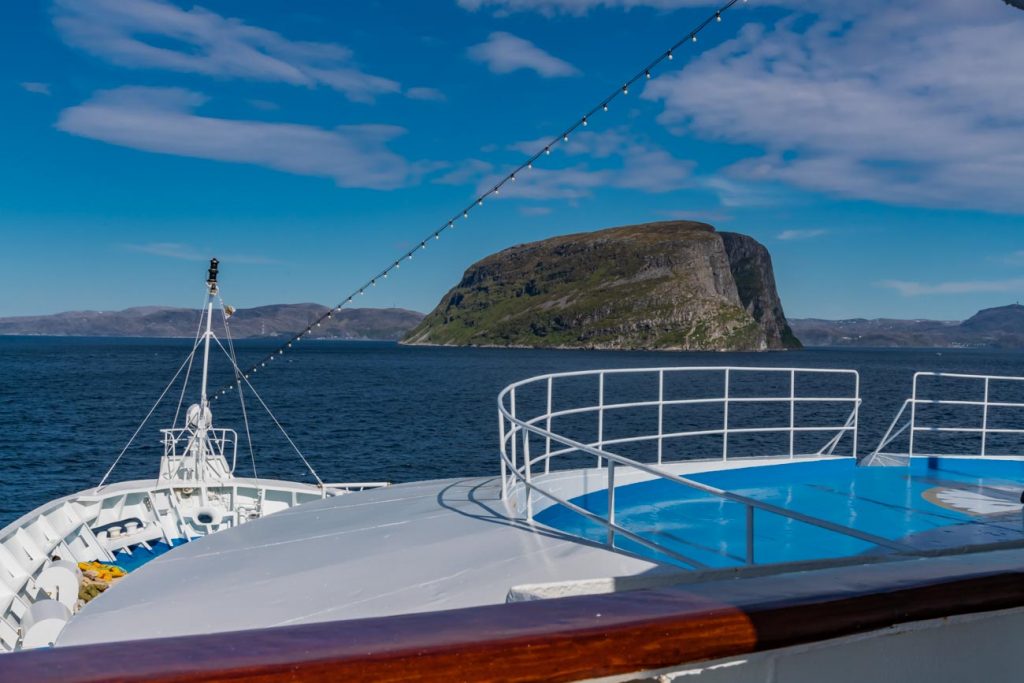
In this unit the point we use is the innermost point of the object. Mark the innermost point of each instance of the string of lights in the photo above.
(644, 74)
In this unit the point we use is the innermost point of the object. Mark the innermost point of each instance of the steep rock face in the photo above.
(667, 285)
(751, 267)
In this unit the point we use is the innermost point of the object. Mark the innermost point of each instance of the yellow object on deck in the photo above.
(104, 572)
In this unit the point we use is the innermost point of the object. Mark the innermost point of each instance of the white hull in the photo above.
(100, 523)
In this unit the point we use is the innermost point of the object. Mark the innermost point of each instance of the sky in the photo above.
(876, 148)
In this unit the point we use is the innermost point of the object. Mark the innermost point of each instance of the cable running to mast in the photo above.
(602, 106)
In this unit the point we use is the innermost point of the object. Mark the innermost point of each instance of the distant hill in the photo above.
(1001, 327)
(263, 321)
(665, 285)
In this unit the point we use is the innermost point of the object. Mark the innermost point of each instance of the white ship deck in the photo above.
(416, 547)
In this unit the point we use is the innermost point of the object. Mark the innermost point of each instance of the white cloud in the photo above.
(466, 172)
(800, 234)
(428, 94)
(626, 161)
(908, 288)
(162, 120)
(504, 53)
(574, 7)
(37, 88)
(185, 252)
(157, 34)
(918, 103)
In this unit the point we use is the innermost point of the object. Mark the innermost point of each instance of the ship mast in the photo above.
(211, 287)
(204, 421)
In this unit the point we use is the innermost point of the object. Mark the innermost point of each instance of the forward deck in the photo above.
(417, 547)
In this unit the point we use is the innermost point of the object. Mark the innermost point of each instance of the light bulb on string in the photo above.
(584, 122)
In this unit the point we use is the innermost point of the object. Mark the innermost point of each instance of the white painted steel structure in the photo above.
(909, 419)
(522, 477)
(195, 494)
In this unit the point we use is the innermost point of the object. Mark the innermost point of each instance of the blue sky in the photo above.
(876, 148)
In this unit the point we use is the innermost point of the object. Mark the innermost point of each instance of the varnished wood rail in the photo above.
(554, 640)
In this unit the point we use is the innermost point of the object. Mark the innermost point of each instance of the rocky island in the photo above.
(672, 285)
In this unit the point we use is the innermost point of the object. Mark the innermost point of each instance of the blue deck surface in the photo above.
(932, 503)
(140, 556)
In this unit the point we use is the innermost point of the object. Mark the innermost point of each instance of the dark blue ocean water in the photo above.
(358, 410)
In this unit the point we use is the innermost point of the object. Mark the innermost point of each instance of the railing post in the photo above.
(547, 441)
(611, 503)
(750, 534)
(512, 429)
(984, 420)
(856, 412)
(661, 413)
(725, 418)
(792, 412)
(600, 415)
(528, 466)
(913, 417)
(504, 454)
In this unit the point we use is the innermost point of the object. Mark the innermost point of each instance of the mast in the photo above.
(211, 286)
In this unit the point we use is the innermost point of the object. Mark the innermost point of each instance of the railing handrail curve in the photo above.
(521, 474)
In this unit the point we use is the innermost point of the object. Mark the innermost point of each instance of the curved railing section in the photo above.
(668, 400)
(955, 414)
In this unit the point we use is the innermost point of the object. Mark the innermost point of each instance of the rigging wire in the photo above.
(259, 398)
(188, 372)
(149, 414)
(643, 74)
(238, 381)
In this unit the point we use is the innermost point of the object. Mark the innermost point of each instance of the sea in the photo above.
(357, 411)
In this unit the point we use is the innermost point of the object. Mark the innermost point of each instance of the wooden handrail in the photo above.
(552, 640)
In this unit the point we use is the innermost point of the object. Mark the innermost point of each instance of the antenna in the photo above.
(211, 280)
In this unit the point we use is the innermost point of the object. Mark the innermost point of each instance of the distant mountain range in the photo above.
(1001, 327)
(263, 321)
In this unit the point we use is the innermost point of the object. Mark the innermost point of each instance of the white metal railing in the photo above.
(518, 468)
(221, 442)
(914, 424)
